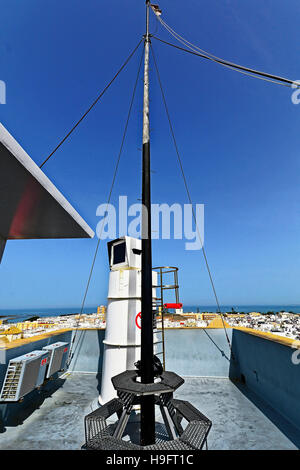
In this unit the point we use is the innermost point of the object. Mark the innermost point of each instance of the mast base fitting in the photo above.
(100, 435)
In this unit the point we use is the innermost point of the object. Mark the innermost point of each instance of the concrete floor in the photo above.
(238, 424)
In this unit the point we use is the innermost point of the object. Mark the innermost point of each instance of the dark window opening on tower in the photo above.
(119, 253)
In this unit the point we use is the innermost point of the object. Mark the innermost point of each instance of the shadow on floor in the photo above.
(133, 429)
(14, 414)
(285, 426)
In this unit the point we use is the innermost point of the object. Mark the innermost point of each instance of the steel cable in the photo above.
(190, 199)
(239, 68)
(108, 201)
(92, 105)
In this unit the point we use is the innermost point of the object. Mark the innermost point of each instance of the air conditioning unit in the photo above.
(58, 355)
(24, 374)
(43, 368)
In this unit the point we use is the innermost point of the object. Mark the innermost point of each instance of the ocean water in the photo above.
(16, 315)
(244, 308)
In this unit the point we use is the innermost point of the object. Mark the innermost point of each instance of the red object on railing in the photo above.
(173, 305)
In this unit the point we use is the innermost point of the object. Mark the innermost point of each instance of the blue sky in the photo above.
(239, 140)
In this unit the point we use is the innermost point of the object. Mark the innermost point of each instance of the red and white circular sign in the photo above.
(138, 320)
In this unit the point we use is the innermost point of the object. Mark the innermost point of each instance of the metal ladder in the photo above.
(11, 382)
(158, 305)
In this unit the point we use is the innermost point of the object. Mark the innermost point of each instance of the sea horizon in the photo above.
(18, 314)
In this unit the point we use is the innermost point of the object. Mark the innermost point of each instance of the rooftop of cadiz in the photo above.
(251, 399)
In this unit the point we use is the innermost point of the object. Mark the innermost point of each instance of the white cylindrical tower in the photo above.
(122, 343)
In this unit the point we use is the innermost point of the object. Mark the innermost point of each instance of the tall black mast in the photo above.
(129, 390)
(147, 370)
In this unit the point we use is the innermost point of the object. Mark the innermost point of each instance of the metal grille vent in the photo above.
(11, 382)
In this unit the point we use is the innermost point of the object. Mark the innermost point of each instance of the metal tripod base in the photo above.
(100, 435)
